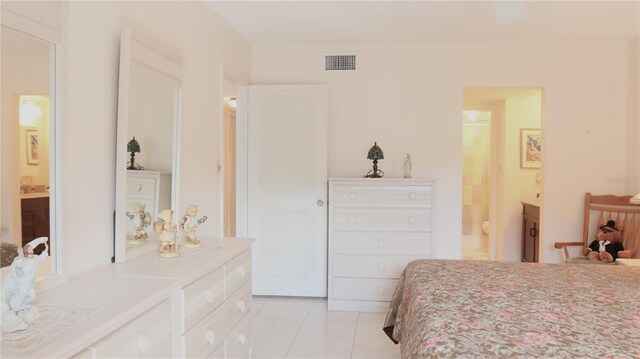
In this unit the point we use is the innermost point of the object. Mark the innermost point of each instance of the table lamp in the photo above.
(375, 154)
(133, 147)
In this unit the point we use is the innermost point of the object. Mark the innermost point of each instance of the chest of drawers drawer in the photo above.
(237, 272)
(147, 336)
(391, 243)
(367, 196)
(370, 266)
(238, 342)
(363, 289)
(394, 220)
(201, 297)
(141, 187)
(207, 335)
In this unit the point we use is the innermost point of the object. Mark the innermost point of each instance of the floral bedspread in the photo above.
(479, 309)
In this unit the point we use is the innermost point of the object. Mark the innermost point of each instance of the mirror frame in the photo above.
(43, 21)
(145, 57)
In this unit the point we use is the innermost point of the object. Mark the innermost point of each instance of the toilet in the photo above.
(485, 227)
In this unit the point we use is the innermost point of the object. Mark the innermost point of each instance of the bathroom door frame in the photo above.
(496, 128)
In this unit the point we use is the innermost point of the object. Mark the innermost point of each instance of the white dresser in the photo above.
(151, 188)
(192, 306)
(376, 227)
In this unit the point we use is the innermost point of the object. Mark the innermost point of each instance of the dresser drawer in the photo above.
(202, 296)
(238, 343)
(363, 289)
(141, 188)
(147, 336)
(392, 220)
(208, 334)
(370, 266)
(237, 272)
(382, 243)
(382, 196)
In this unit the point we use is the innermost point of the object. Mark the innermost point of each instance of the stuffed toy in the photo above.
(607, 244)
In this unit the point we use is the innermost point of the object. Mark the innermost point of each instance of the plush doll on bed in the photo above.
(607, 244)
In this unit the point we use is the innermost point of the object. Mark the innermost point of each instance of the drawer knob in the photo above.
(241, 306)
(412, 196)
(210, 337)
(352, 219)
(208, 295)
(352, 196)
(381, 266)
(242, 339)
(242, 272)
(381, 243)
(142, 344)
(412, 219)
(380, 290)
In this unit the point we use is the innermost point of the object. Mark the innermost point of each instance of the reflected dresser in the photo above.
(376, 227)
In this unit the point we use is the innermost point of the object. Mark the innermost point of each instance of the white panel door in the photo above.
(287, 189)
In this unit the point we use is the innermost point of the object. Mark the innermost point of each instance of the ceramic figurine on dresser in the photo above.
(141, 219)
(18, 288)
(168, 241)
(407, 167)
(189, 224)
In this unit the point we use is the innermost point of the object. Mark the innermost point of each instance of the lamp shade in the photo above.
(133, 146)
(375, 153)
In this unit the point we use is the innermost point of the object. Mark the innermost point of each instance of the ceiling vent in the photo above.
(340, 62)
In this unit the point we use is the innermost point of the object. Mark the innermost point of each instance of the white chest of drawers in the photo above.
(192, 306)
(376, 227)
(151, 188)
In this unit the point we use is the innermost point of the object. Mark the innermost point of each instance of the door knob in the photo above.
(320, 203)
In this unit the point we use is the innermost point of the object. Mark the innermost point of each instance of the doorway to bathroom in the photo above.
(229, 162)
(502, 166)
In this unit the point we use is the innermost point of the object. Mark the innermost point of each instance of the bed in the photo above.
(479, 309)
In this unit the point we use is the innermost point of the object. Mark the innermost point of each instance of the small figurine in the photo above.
(189, 224)
(18, 288)
(168, 244)
(141, 220)
(407, 167)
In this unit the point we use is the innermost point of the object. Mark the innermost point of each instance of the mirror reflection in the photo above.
(152, 112)
(27, 146)
(148, 125)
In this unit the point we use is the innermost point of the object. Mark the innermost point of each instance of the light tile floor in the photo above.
(290, 327)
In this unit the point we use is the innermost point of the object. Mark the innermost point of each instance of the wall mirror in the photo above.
(30, 138)
(149, 95)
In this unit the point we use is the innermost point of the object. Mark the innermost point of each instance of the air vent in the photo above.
(340, 62)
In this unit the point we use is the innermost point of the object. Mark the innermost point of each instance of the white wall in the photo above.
(408, 98)
(91, 38)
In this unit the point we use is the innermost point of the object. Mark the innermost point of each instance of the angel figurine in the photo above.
(168, 244)
(189, 224)
(141, 219)
(18, 288)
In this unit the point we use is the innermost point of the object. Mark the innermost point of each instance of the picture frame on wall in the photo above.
(32, 147)
(530, 147)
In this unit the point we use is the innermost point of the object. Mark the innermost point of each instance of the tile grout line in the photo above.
(298, 332)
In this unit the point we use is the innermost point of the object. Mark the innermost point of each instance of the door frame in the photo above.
(228, 73)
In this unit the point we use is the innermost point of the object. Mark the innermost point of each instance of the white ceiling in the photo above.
(410, 21)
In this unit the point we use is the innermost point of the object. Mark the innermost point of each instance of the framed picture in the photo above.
(32, 147)
(530, 147)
